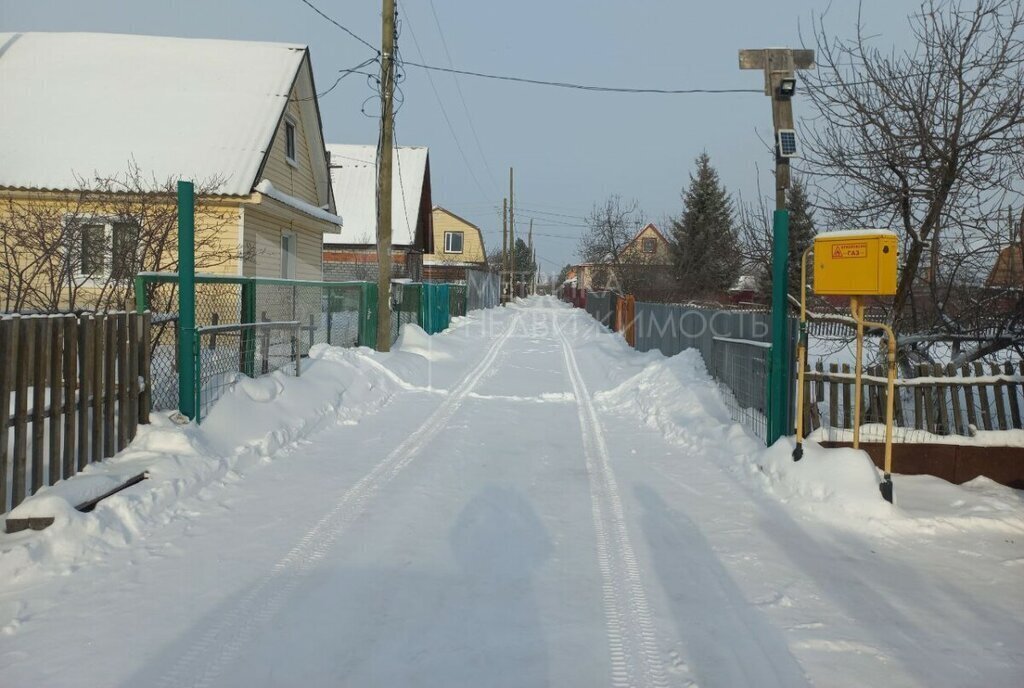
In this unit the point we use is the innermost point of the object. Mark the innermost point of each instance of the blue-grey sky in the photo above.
(569, 148)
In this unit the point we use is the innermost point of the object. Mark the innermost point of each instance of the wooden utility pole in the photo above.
(533, 260)
(384, 159)
(504, 248)
(512, 234)
(780, 66)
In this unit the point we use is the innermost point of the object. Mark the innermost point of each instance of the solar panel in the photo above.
(787, 143)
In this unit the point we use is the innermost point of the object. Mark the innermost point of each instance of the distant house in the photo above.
(648, 253)
(351, 252)
(458, 247)
(1008, 270)
(238, 118)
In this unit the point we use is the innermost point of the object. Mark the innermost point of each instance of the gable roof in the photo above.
(1008, 270)
(649, 225)
(354, 182)
(81, 105)
(464, 221)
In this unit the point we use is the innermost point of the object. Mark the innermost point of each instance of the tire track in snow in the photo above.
(631, 639)
(205, 659)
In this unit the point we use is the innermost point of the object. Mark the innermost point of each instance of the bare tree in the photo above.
(83, 249)
(617, 264)
(927, 141)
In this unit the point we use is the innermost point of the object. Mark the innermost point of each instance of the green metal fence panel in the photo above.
(333, 313)
(368, 321)
(434, 307)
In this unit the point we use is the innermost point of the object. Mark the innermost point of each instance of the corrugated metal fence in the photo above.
(482, 290)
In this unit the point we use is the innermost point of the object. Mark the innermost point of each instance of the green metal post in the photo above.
(248, 336)
(778, 401)
(186, 299)
(140, 294)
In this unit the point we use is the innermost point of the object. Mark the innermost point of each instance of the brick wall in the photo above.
(359, 264)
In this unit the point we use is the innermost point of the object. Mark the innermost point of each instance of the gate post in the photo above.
(186, 299)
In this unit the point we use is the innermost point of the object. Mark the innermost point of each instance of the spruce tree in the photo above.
(801, 232)
(707, 250)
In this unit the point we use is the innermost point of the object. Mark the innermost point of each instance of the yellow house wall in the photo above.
(264, 225)
(217, 231)
(472, 244)
(662, 254)
(295, 179)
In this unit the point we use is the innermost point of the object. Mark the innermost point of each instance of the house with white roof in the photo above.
(239, 118)
(350, 253)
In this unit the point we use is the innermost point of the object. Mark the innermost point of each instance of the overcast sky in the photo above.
(569, 148)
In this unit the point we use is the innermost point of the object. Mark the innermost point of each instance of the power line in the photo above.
(345, 73)
(584, 87)
(343, 28)
(465, 108)
(444, 113)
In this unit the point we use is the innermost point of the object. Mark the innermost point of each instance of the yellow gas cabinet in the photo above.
(855, 263)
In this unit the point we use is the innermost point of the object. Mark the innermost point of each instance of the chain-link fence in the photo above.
(250, 326)
(336, 313)
(406, 300)
(456, 300)
(735, 346)
(227, 352)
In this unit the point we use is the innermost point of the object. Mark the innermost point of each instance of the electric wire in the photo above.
(462, 97)
(340, 26)
(444, 114)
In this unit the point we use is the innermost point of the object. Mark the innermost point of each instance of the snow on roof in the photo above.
(354, 181)
(78, 105)
(268, 189)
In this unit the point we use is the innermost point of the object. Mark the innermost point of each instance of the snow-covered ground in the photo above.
(520, 501)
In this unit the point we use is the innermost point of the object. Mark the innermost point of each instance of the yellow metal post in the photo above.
(858, 314)
(801, 357)
(890, 396)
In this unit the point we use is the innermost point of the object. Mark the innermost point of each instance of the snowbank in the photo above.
(678, 397)
(249, 424)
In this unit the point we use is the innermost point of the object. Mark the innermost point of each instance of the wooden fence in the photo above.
(941, 400)
(73, 390)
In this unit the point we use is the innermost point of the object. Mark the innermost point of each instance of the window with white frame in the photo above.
(650, 245)
(288, 255)
(453, 242)
(106, 248)
(289, 139)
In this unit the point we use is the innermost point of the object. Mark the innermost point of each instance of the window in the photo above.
(108, 249)
(453, 242)
(289, 139)
(93, 250)
(288, 255)
(650, 245)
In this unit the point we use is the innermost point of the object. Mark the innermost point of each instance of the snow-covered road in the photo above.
(524, 501)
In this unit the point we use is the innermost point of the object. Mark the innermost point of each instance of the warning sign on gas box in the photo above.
(852, 250)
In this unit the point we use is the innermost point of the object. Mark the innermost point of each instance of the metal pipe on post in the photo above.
(384, 155)
(186, 300)
(801, 357)
(857, 308)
